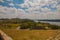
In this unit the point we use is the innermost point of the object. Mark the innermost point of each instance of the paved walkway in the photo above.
(5, 37)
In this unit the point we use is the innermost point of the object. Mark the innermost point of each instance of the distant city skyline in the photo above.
(30, 9)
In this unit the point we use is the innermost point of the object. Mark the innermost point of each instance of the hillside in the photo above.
(25, 29)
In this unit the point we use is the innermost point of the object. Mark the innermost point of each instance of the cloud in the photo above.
(12, 12)
(7, 12)
(41, 5)
(1, 0)
(11, 4)
(9, 0)
(32, 9)
(36, 8)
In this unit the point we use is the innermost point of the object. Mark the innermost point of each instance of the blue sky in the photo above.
(16, 2)
(6, 3)
(35, 7)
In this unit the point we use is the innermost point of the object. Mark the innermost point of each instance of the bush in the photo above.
(54, 27)
(37, 28)
(24, 26)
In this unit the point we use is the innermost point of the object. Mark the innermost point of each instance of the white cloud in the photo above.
(1, 0)
(7, 12)
(9, 0)
(34, 3)
(37, 4)
(11, 12)
(11, 4)
(33, 10)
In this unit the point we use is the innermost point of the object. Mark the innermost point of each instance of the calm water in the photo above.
(55, 23)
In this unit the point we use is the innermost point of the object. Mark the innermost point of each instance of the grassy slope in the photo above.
(30, 34)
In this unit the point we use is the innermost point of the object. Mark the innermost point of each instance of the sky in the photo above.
(30, 9)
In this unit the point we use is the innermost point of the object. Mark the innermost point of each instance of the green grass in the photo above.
(9, 26)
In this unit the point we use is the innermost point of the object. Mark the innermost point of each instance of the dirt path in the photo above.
(5, 36)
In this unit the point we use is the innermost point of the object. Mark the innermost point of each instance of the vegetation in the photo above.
(31, 34)
(32, 30)
(26, 24)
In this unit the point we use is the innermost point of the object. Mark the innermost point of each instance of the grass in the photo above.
(9, 26)
(11, 30)
(30, 34)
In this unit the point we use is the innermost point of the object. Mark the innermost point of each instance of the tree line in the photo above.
(27, 24)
